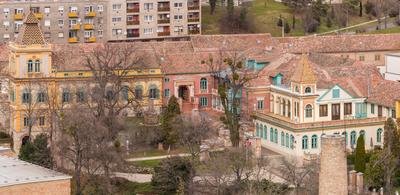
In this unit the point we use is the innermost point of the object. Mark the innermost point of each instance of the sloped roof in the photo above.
(304, 72)
(30, 33)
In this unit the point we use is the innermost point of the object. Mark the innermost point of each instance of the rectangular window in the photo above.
(42, 120)
(116, 32)
(65, 97)
(100, 8)
(116, 19)
(348, 108)
(203, 101)
(60, 9)
(41, 97)
(80, 96)
(178, 5)
(260, 104)
(60, 22)
(6, 11)
(148, 6)
(148, 31)
(178, 17)
(26, 97)
(335, 93)
(26, 121)
(6, 36)
(60, 35)
(148, 18)
(166, 92)
(100, 33)
(166, 80)
(116, 7)
(361, 58)
(47, 22)
(323, 110)
(377, 57)
(372, 108)
(380, 111)
(6, 23)
(46, 10)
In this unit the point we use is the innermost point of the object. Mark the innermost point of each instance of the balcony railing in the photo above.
(194, 20)
(90, 14)
(88, 26)
(163, 21)
(19, 16)
(136, 22)
(167, 33)
(133, 35)
(73, 14)
(73, 40)
(38, 15)
(90, 39)
(75, 27)
(194, 31)
(193, 7)
(132, 10)
(163, 9)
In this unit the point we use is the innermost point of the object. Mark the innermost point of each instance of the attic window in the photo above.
(335, 93)
(65, 74)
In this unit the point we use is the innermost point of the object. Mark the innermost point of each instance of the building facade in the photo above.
(391, 71)
(75, 21)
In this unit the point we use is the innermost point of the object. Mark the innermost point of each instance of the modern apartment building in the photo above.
(79, 21)
(153, 19)
(62, 21)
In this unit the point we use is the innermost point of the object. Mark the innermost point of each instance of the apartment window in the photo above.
(60, 35)
(6, 23)
(73, 9)
(116, 7)
(260, 104)
(178, 5)
(88, 33)
(348, 108)
(203, 101)
(80, 96)
(372, 108)
(26, 97)
(60, 22)
(41, 97)
(65, 96)
(89, 9)
(41, 121)
(26, 121)
(361, 58)
(377, 57)
(100, 33)
(47, 22)
(6, 36)
(19, 10)
(178, 17)
(166, 92)
(147, 30)
(323, 110)
(100, 8)
(116, 19)
(116, 32)
(148, 6)
(6, 11)
(46, 10)
(148, 18)
(178, 29)
(60, 9)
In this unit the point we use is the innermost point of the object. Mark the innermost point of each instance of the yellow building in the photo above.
(398, 108)
(39, 85)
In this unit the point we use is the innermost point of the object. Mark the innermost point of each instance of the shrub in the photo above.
(37, 152)
(359, 161)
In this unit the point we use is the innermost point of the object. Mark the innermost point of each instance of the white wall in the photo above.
(392, 64)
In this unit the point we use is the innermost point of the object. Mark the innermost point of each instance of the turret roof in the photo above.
(30, 33)
(304, 72)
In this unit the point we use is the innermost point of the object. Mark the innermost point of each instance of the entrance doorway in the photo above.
(183, 92)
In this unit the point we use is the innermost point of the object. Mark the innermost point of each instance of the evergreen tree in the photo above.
(170, 136)
(37, 152)
(360, 155)
(287, 28)
(213, 3)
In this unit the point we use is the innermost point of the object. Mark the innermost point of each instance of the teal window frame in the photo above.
(379, 135)
(276, 135)
(291, 141)
(203, 101)
(203, 84)
(271, 134)
(166, 92)
(257, 130)
(265, 132)
(353, 137)
(282, 138)
(314, 141)
(287, 140)
(335, 93)
(304, 142)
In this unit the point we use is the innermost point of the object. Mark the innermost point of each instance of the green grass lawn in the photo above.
(264, 14)
(156, 152)
(147, 163)
(386, 31)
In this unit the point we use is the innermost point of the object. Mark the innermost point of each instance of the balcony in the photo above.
(135, 22)
(133, 35)
(194, 20)
(88, 26)
(90, 39)
(75, 27)
(193, 7)
(73, 14)
(163, 9)
(193, 32)
(19, 16)
(73, 40)
(90, 14)
(166, 33)
(38, 15)
(163, 21)
(132, 10)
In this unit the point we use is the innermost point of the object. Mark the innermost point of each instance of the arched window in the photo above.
(282, 139)
(265, 132)
(308, 90)
(139, 92)
(287, 140)
(203, 84)
(379, 135)
(314, 141)
(125, 93)
(296, 89)
(291, 141)
(276, 135)
(304, 143)
(345, 136)
(271, 134)
(257, 130)
(153, 92)
(308, 111)
(37, 66)
(30, 66)
(353, 135)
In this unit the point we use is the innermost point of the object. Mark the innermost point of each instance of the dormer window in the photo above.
(308, 90)
(30, 66)
(37, 66)
(335, 93)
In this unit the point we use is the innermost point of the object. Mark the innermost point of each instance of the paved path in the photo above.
(156, 157)
(135, 177)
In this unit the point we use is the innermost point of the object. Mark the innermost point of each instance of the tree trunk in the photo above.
(293, 21)
(361, 9)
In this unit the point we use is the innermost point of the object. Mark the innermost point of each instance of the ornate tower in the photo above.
(304, 80)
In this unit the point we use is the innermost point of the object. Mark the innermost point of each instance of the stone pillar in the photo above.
(333, 167)
(352, 180)
(360, 183)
